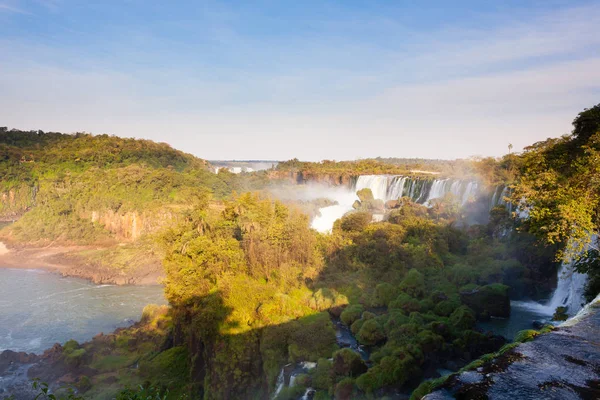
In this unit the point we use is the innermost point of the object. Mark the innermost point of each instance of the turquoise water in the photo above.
(521, 318)
(39, 308)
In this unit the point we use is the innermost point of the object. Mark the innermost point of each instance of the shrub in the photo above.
(463, 318)
(351, 314)
(413, 284)
(347, 362)
(371, 332)
(322, 374)
(344, 389)
(446, 307)
(405, 303)
(560, 314)
(384, 294)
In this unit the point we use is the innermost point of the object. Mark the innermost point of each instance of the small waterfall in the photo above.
(307, 394)
(280, 383)
(500, 193)
(568, 293)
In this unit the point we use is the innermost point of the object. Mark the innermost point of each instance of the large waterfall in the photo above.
(389, 187)
(420, 190)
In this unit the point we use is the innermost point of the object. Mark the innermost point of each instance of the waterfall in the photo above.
(500, 193)
(392, 187)
(280, 383)
(377, 183)
(420, 190)
(328, 215)
(308, 394)
(569, 291)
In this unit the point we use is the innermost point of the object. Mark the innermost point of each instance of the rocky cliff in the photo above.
(16, 201)
(563, 364)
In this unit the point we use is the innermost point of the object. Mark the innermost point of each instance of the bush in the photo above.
(413, 284)
(351, 314)
(355, 221)
(371, 332)
(347, 362)
(560, 314)
(344, 389)
(322, 374)
(405, 303)
(463, 318)
(446, 307)
(384, 294)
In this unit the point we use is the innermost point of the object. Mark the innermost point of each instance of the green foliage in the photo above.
(371, 332)
(462, 318)
(355, 221)
(323, 375)
(413, 284)
(526, 335)
(560, 314)
(344, 389)
(347, 362)
(351, 314)
(384, 294)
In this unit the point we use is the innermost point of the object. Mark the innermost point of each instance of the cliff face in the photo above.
(563, 364)
(16, 201)
(129, 226)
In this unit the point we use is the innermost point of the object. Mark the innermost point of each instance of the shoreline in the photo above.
(59, 260)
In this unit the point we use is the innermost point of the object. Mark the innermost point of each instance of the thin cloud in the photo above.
(11, 9)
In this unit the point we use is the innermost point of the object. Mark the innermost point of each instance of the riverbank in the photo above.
(81, 262)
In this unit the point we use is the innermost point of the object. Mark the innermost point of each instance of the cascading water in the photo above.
(377, 183)
(389, 187)
(423, 191)
(498, 198)
(569, 291)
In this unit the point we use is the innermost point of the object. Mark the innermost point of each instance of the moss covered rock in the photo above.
(490, 300)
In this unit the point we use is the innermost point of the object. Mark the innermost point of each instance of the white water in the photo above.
(328, 215)
(583, 312)
(280, 383)
(568, 293)
(388, 187)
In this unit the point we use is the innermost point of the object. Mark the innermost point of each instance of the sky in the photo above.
(314, 80)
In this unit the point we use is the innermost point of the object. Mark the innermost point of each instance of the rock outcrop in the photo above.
(563, 364)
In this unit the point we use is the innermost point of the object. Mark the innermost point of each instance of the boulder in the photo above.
(390, 204)
(365, 195)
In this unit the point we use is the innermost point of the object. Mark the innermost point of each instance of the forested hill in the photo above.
(82, 189)
(35, 163)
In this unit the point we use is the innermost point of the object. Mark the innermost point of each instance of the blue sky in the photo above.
(311, 79)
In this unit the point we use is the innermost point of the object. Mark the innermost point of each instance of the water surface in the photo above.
(39, 308)
(521, 318)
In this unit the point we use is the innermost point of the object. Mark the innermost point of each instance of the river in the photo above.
(39, 308)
